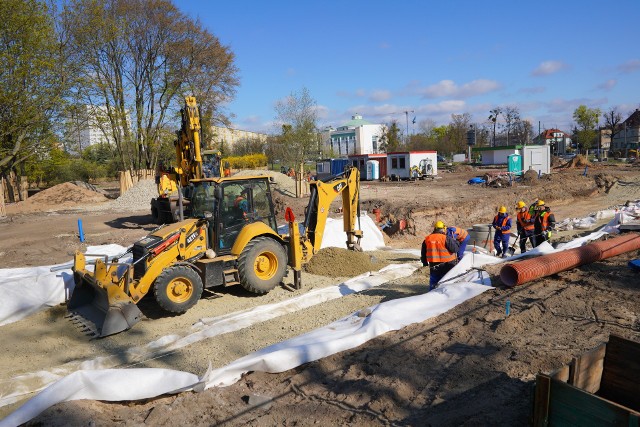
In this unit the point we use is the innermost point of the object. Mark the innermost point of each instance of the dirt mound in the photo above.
(338, 262)
(461, 168)
(605, 181)
(530, 177)
(578, 161)
(557, 162)
(65, 194)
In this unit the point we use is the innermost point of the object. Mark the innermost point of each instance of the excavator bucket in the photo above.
(102, 309)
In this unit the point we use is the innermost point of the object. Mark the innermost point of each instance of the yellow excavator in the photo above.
(192, 163)
(231, 238)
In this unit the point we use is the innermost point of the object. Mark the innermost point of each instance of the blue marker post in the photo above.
(586, 168)
(80, 232)
(508, 307)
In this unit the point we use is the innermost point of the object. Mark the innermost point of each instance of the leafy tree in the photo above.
(31, 87)
(586, 122)
(248, 146)
(457, 132)
(297, 115)
(390, 139)
(137, 59)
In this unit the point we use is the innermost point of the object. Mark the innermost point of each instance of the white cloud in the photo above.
(630, 66)
(608, 85)
(380, 95)
(448, 88)
(549, 67)
(533, 90)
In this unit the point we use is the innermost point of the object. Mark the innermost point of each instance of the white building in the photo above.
(228, 137)
(356, 137)
(89, 125)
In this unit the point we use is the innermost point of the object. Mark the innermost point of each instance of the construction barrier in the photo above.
(129, 179)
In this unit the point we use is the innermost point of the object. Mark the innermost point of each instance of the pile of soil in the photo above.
(338, 262)
(530, 177)
(66, 194)
(461, 168)
(605, 181)
(578, 161)
(557, 162)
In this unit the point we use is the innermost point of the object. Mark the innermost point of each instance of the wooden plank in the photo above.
(3, 211)
(621, 377)
(541, 401)
(587, 369)
(569, 405)
(561, 374)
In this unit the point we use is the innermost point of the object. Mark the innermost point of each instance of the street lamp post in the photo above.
(406, 113)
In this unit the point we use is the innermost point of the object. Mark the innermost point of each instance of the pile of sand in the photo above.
(338, 262)
(530, 177)
(65, 194)
(557, 162)
(461, 168)
(578, 161)
(282, 182)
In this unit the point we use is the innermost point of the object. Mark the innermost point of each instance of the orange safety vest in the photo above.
(544, 220)
(436, 249)
(462, 234)
(504, 221)
(525, 216)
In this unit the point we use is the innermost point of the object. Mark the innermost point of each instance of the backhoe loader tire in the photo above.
(177, 289)
(262, 265)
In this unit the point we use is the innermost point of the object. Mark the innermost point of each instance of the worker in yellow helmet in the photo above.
(526, 226)
(544, 222)
(502, 226)
(439, 252)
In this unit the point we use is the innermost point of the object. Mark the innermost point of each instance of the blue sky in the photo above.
(380, 59)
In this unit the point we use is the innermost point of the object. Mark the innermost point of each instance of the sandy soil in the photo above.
(470, 366)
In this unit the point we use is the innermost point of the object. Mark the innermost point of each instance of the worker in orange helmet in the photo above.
(502, 226)
(439, 253)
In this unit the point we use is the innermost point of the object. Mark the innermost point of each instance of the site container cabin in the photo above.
(399, 163)
(331, 167)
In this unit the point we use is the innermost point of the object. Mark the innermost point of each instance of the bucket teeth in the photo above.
(85, 326)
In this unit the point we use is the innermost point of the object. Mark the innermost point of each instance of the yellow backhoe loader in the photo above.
(232, 238)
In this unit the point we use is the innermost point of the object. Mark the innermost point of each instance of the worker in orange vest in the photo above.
(439, 253)
(462, 236)
(502, 225)
(526, 226)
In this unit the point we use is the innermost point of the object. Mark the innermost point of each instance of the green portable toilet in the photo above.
(515, 164)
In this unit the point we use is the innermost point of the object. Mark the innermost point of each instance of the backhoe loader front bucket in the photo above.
(100, 306)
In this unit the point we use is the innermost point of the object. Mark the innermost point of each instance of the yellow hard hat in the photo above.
(521, 204)
(439, 224)
(540, 202)
(502, 209)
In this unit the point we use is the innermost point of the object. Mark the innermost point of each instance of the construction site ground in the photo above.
(470, 366)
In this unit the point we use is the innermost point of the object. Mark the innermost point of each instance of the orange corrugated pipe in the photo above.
(534, 268)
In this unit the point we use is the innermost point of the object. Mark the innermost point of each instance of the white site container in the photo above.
(399, 163)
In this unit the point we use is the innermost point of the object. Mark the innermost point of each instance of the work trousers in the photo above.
(524, 235)
(501, 243)
(437, 272)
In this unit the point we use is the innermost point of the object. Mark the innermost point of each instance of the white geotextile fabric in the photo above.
(461, 283)
(28, 290)
(18, 387)
(106, 384)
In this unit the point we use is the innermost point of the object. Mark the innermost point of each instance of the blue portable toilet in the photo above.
(514, 164)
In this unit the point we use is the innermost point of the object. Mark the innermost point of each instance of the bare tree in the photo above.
(297, 115)
(138, 60)
(612, 121)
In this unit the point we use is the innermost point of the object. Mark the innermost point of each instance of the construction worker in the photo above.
(502, 226)
(241, 204)
(526, 228)
(439, 253)
(545, 222)
(462, 236)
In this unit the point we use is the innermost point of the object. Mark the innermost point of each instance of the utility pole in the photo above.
(406, 113)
